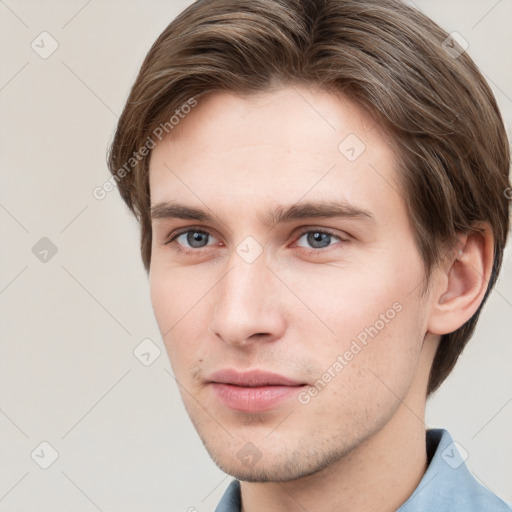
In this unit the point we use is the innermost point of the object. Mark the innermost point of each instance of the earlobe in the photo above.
(463, 281)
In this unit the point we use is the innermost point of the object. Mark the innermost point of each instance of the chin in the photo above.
(275, 467)
(262, 472)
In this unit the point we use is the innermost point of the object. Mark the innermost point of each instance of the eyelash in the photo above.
(190, 252)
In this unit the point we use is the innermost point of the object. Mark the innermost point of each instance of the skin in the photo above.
(292, 312)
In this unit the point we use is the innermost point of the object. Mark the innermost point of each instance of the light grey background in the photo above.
(68, 375)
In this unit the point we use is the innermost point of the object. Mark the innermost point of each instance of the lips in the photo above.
(252, 378)
(252, 391)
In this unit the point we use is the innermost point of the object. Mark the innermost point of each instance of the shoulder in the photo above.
(485, 500)
(448, 485)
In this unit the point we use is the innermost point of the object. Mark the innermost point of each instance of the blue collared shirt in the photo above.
(446, 486)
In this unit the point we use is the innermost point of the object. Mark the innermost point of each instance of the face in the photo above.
(285, 279)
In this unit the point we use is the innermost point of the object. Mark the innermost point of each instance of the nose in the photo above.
(247, 309)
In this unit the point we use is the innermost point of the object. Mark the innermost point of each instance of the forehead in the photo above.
(283, 145)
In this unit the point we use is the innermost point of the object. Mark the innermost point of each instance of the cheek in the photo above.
(179, 299)
(366, 318)
(342, 300)
(161, 299)
(174, 291)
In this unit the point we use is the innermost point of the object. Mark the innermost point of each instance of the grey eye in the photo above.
(317, 239)
(195, 239)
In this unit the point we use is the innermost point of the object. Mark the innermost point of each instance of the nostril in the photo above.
(259, 335)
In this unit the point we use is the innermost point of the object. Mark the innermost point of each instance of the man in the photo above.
(321, 188)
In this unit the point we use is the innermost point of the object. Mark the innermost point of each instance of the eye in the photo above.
(319, 239)
(191, 239)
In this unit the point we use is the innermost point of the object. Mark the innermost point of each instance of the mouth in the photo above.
(252, 391)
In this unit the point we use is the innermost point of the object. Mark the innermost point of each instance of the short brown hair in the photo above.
(392, 60)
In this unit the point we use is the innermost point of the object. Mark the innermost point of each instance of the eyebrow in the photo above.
(280, 214)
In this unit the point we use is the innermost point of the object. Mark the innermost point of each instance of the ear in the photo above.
(462, 281)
